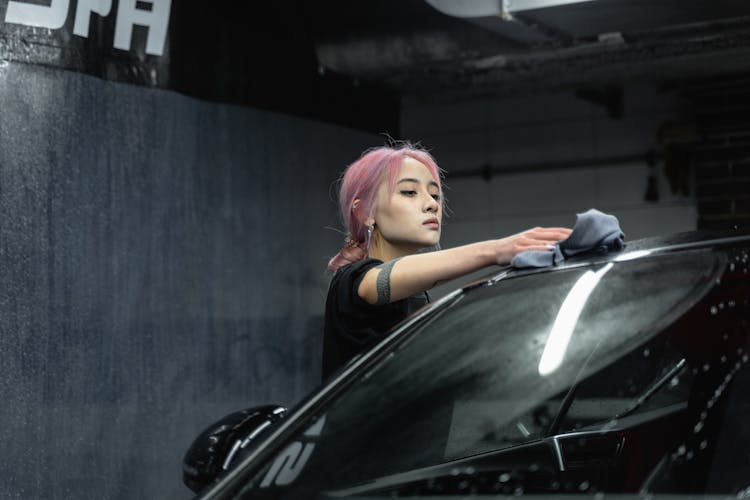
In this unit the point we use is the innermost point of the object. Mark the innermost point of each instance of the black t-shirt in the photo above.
(351, 324)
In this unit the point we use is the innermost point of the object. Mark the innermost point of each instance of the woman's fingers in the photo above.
(552, 231)
(538, 248)
(526, 244)
(549, 233)
(538, 238)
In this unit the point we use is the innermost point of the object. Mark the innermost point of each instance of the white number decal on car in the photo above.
(290, 462)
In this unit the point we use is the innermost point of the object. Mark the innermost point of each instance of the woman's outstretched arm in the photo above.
(400, 278)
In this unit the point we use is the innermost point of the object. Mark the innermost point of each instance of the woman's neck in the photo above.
(383, 250)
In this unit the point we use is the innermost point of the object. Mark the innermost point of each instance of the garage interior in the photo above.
(166, 219)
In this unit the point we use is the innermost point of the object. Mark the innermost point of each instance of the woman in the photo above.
(392, 205)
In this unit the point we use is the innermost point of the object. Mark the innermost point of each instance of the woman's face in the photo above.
(410, 217)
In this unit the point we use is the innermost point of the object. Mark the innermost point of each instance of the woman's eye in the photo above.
(436, 197)
(408, 192)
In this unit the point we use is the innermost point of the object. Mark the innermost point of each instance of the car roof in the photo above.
(636, 249)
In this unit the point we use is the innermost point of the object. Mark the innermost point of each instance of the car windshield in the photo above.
(508, 366)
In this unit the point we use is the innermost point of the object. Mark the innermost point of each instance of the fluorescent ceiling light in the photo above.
(521, 5)
(486, 8)
(567, 318)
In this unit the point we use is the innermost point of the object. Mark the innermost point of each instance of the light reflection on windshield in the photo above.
(567, 318)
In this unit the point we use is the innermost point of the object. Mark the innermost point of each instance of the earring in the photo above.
(369, 234)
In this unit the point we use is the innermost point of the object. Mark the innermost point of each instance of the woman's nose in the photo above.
(431, 204)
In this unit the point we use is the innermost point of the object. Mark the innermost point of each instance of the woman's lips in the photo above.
(432, 224)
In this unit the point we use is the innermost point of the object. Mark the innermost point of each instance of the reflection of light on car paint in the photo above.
(567, 318)
(632, 255)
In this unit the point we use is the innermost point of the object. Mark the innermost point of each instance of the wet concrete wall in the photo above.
(161, 264)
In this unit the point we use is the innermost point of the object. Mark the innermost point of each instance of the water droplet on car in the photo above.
(584, 486)
(681, 450)
(674, 382)
(723, 359)
(703, 444)
(706, 367)
(714, 310)
(455, 472)
(731, 303)
(731, 266)
(721, 305)
(646, 353)
(725, 336)
(744, 358)
(534, 467)
(462, 485)
(518, 491)
(470, 470)
(689, 455)
(504, 477)
(555, 485)
(698, 427)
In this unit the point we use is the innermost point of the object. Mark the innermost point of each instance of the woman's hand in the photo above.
(538, 238)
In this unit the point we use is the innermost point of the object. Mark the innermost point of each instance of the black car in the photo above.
(623, 373)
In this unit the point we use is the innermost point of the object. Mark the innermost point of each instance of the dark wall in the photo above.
(162, 263)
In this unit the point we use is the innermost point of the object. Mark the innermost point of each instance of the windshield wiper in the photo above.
(563, 411)
(570, 396)
(529, 468)
(654, 387)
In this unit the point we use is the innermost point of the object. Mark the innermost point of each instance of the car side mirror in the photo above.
(213, 451)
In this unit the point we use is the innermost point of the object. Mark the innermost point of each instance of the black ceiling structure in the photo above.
(428, 55)
(356, 62)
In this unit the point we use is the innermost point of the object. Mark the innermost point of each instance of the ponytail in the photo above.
(351, 252)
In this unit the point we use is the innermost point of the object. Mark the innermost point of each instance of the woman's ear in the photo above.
(355, 209)
(369, 221)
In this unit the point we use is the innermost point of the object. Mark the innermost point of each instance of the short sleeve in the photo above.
(353, 315)
(352, 324)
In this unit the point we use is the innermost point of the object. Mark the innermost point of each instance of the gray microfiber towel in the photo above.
(594, 232)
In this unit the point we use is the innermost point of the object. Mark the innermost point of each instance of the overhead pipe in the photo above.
(487, 172)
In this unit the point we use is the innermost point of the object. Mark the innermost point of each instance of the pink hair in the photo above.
(361, 181)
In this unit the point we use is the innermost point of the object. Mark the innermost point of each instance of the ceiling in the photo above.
(433, 51)
(360, 63)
